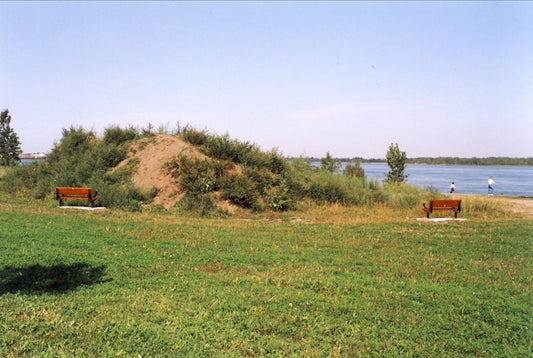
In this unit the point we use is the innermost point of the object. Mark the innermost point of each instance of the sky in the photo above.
(304, 78)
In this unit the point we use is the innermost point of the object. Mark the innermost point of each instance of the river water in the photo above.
(510, 180)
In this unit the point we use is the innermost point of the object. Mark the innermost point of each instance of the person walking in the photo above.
(491, 183)
(452, 188)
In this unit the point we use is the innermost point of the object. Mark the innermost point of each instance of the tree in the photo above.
(9, 141)
(396, 160)
(329, 164)
(354, 170)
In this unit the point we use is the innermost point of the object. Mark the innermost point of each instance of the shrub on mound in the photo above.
(240, 190)
(80, 159)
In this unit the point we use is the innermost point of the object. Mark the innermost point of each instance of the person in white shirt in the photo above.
(452, 188)
(491, 183)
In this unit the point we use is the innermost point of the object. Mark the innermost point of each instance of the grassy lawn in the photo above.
(112, 283)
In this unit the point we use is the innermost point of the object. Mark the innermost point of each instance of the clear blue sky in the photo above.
(439, 78)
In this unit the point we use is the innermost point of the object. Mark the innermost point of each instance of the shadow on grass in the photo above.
(58, 278)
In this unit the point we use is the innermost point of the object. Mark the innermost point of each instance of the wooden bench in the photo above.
(442, 205)
(63, 193)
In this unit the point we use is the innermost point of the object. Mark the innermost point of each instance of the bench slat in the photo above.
(74, 191)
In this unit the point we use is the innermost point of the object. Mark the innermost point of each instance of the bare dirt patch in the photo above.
(152, 154)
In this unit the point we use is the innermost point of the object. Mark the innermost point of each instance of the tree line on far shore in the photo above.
(473, 161)
(528, 161)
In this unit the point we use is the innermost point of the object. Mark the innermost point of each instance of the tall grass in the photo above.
(480, 204)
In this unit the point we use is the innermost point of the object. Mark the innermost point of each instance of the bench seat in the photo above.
(442, 205)
(63, 193)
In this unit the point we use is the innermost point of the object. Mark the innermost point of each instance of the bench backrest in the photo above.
(74, 191)
(445, 204)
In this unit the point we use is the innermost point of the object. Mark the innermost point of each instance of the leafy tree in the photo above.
(354, 170)
(9, 141)
(329, 164)
(396, 160)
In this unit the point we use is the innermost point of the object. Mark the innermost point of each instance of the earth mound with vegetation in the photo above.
(149, 156)
(196, 171)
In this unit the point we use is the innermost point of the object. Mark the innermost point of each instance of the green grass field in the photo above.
(110, 283)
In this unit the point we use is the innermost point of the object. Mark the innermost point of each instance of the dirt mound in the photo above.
(152, 153)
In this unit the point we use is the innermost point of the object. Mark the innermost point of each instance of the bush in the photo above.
(224, 148)
(80, 159)
(260, 177)
(117, 136)
(354, 170)
(32, 179)
(202, 204)
(196, 176)
(74, 142)
(279, 199)
(122, 195)
(193, 136)
(296, 178)
(241, 191)
(99, 160)
(262, 172)
(329, 164)
(362, 191)
(327, 189)
(276, 163)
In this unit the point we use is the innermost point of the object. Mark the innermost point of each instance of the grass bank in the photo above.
(114, 283)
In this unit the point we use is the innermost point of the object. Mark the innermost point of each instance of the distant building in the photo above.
(39, 155)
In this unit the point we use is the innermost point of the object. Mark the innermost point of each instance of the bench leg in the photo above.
(456, 214)
(60, 202)
(427, 215)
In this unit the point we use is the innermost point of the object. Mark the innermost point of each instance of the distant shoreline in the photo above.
(523, 162)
